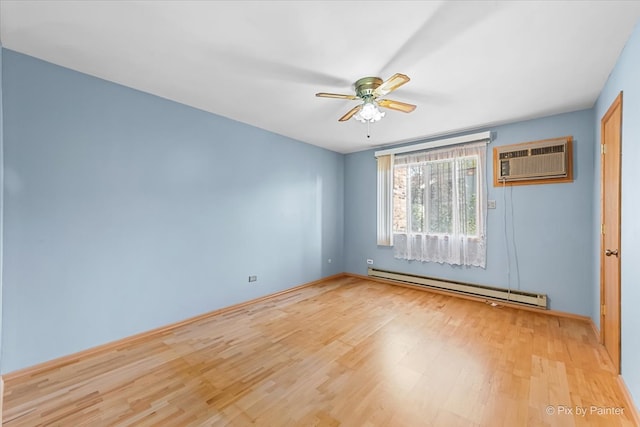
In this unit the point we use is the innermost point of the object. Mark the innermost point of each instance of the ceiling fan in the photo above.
(369, 89)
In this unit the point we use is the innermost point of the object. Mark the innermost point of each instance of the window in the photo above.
(432, 197)
(438, 205)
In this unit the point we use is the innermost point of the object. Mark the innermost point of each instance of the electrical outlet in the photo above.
(491, 204)
(253, 278)
(370, 261)
(329, 260)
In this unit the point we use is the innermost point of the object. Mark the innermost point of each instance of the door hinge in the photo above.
(603, 308)
(602, 229)
(603, 149)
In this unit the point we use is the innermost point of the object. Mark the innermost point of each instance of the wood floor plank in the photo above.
(348, 352)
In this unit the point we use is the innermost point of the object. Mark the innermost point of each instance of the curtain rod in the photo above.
(475, 137)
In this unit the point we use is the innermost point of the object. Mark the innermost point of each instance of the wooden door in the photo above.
(611, 138)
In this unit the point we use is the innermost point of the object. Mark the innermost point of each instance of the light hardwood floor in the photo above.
(347, 352)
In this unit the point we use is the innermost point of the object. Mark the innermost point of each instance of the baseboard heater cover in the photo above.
(519, 297)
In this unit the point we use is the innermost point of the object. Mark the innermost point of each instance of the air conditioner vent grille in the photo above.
(512, 154)
(547, 150)
(533, 162)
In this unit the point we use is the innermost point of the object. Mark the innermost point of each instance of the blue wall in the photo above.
(551, 223)
(624, 78)
(125, 212)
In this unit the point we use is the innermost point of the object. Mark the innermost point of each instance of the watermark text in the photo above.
(583, 411)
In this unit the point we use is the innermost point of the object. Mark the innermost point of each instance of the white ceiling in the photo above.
(472, 64)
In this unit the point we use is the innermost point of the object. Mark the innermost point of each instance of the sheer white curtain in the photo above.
(385, 187)
(443, 196)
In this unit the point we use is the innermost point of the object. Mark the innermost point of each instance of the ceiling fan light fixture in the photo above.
(369, 89)
(369, 112)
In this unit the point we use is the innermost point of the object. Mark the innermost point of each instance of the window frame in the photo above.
(453, 248)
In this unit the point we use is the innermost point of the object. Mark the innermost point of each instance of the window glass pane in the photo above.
(400, 199)
(468, 195)
(417, 183)
(423, 197)
(440, 197)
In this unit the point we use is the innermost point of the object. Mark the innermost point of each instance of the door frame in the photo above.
(617, 103)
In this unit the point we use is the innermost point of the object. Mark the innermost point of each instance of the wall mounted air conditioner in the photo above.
(537, 162)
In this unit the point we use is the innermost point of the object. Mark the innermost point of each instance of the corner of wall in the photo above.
(595, 305)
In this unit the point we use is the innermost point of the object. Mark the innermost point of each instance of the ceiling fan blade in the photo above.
(350, 114)
(391, 84)
(335, 95)
(396, 105)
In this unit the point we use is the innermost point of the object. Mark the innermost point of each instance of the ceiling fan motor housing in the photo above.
(366, 85)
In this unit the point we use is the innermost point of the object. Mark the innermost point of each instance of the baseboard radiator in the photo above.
(498, 294)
